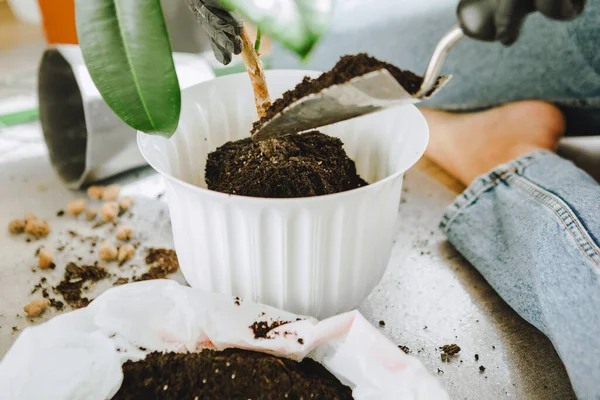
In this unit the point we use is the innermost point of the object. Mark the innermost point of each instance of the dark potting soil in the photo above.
(229, 374)
(450, 349)
(347, 68)
(303, 165)
(42, 286)
(72, 284)
(262, 328)
(162, 262)
(404, 349)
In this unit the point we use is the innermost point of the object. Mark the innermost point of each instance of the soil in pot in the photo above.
(228, 374)
(303, 165)
(347, 67)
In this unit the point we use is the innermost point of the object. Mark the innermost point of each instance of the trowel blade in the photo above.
(365, 94)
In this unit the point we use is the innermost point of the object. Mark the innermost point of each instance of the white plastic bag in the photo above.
(79, 355)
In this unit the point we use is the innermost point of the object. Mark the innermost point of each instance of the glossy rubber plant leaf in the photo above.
(297, 24)
(126, 48)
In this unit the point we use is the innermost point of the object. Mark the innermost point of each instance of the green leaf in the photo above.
(126, 48)
(297, 24)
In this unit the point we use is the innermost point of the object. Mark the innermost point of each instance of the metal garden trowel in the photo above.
(365, 94)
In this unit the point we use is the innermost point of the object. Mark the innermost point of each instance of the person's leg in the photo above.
(552, 61)
(531, 225)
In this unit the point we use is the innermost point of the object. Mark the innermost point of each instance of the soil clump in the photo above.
(302, 165)
(227, 374)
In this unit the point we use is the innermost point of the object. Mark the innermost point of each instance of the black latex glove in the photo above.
(223, 28)
(501, 20)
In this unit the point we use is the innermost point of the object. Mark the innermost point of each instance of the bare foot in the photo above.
(469, 145)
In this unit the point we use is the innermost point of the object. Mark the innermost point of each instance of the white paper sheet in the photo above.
(79, 355)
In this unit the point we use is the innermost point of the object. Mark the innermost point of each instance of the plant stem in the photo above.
(259, 85)
(257, 41)
(257, 75)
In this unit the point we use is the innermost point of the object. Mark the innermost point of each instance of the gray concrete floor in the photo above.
(429, 297)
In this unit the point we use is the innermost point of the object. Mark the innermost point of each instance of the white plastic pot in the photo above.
(316, 256)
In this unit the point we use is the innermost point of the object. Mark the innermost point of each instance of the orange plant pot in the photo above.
(58, 18)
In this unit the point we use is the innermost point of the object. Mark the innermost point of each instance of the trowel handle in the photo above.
(440, 53)
(493, 20)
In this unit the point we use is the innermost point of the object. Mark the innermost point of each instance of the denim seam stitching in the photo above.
(564, 213)
(474, 196)
(470, 195)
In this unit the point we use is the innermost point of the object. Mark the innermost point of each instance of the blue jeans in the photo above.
(532, 226)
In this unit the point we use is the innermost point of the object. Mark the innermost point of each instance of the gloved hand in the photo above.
(223, 28)
(501, 20)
